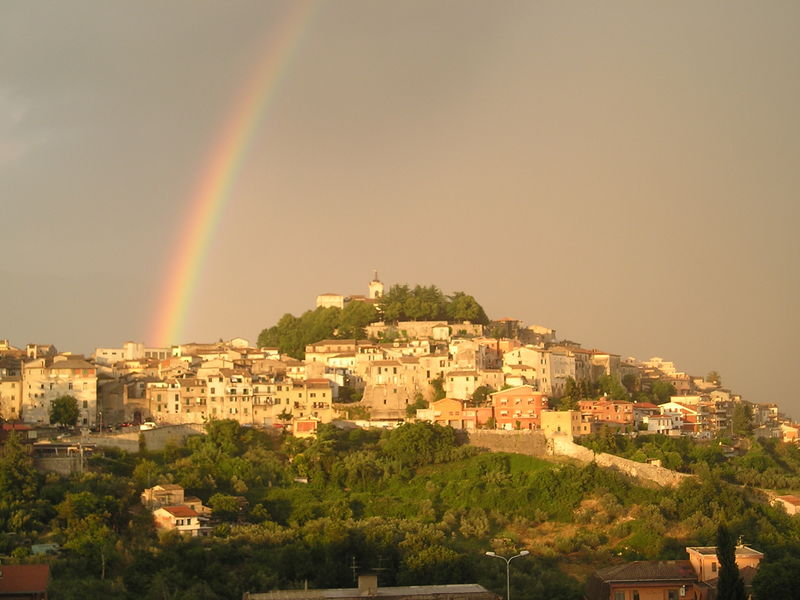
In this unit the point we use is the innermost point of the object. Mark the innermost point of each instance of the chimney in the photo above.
(367, 584)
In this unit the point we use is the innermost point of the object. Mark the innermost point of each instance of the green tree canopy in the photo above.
(742, 420)
(777, 580)
(730, 585)
(354, 318)
(428, 303)
(662, 391)
(64, 411)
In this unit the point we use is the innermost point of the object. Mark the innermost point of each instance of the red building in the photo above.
(518, 408)
(26, 582)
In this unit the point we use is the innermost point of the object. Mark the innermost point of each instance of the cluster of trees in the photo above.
(292, 334)
(428, 303)
(413, 501)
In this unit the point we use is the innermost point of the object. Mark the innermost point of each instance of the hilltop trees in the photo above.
(428, 303)
(292, 334)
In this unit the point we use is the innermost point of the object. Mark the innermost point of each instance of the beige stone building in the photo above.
(564, 422)
(11, 397)
(45, 379)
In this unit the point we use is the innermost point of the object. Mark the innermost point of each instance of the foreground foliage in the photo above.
(411, 501)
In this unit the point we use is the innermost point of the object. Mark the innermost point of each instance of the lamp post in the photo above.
(508, 568)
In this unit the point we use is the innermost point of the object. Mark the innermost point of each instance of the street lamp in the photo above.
(508, 568)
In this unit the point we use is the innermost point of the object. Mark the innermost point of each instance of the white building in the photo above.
(45, 379)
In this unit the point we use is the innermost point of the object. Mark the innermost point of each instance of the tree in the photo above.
(778, 580)
(438, 388)
(463, 307)
(714, 377)
(610, 385)
(19, 486)
(419, 403)
(64, 411)
(742, 420)
(662, 391)
(730, 585)
(480, 395)
(631, 383)
(354, 318)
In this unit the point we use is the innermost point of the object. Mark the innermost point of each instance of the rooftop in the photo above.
(23, 579)
(712, 550)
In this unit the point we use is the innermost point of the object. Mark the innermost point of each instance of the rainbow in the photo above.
(213, 189)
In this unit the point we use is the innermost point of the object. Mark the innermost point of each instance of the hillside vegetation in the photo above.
(411, 501)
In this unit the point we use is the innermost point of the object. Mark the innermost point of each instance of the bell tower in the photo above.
(375, 287)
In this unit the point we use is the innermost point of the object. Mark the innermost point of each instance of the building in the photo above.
(368, 588)
(165, 494)
(129, 351)
(180, 518)
(692, 579)
(790, 502)
(24, 582)
(705, 562)
(564, 422)
(453, 412)
(11, 397)
(45, 379)
(646, 580)
(518, 407)
(608, 411)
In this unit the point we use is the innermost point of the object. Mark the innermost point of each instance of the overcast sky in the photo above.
(623, 172)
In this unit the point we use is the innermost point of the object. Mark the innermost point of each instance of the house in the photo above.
(45, 379)
(642, 411)
(518, 407)
(165, 494)
(180, 518)
(368, 588)
(692, 579)
(706, 563)
(11, 397)
(608, 411)
(564, 422)
(454, 413)
(24, 582)
(646, 580)
(790, 502)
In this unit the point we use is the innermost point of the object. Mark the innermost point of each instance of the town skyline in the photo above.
(623, 174)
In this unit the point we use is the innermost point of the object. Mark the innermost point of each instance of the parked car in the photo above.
(147, 425)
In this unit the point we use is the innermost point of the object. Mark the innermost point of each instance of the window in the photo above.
(713, 567)
(619, 595)
(672, 595)
(635, 595)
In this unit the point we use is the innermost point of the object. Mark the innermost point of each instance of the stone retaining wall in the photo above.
(154, 439)
(534, 443)
(531, 443)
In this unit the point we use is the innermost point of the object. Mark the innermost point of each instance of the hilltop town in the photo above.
(426, 441)
(499, 375)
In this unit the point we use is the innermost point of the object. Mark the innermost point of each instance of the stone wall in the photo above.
(562, 446)
(154, 439)
(532, 443)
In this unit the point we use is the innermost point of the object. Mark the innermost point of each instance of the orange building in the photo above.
(518, 407)
(612, 411)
